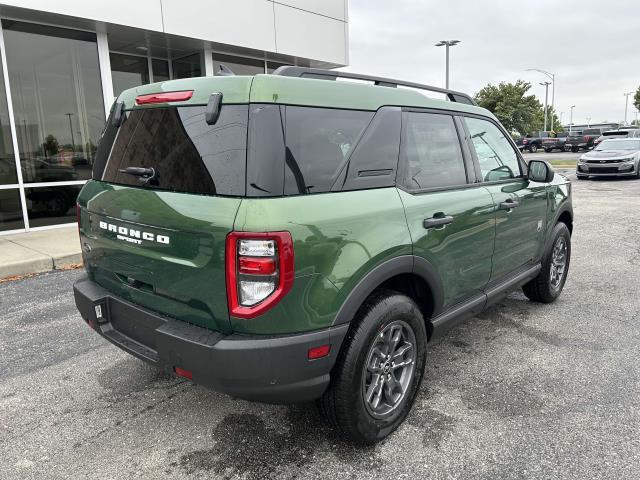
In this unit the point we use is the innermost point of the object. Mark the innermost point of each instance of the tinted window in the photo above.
(188, 155)
(497, 158)
(431, 151)
(375, 159)
(317, 142)
(265, 151)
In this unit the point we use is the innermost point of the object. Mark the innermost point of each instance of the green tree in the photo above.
(518, 111)
(636, 99)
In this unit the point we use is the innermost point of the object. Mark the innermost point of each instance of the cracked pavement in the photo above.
(521, 391)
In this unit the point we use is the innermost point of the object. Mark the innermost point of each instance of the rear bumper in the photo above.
(272, 369)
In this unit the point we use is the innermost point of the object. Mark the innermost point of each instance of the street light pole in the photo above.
(571, 119)
(546, 100)
(447, 44)
(588, 122)
(73, 143)
(626, 106)
(561, 115)
(552, 76)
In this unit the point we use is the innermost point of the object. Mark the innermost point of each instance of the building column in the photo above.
(105, 69)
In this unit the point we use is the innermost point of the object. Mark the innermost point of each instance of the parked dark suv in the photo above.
(288, 238)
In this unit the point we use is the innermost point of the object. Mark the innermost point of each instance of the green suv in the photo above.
(291, 237)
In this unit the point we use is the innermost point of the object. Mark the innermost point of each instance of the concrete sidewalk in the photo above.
(35, 252)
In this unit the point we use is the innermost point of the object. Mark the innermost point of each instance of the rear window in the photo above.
(617, 133)
(188, 154)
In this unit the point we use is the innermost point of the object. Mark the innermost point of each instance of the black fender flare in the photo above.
(384, 271)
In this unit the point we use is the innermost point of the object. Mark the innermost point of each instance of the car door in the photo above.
(521, 204)
(451, 220)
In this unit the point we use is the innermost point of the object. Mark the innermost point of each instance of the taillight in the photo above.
(259, 271)
(164, 97)
(525, 141)
(586, 138)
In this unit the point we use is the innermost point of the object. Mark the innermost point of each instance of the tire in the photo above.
(548, 150)
(543, 288)
(344, 405)
(575, 149)
(582, 177)
(533, 148)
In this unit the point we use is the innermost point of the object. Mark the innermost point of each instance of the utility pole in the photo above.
(552, 76)
(571, 119)
(73, 143)
(447, 44)
(546, 100)
(626, 106)
(588, 122)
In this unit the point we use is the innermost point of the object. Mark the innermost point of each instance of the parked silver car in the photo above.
(612, 157)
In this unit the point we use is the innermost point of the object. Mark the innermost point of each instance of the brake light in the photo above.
(586, 138)
(259, 271)
(164, 97)
(318, 352)
(525, 141)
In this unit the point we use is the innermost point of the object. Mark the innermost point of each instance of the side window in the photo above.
(374, 162)
(318, 140)
(431, 151)
(497, 157)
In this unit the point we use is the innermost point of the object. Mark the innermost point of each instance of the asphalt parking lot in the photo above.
(555, 155)
(522, 391)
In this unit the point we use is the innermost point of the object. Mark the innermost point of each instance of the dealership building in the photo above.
(63, 62)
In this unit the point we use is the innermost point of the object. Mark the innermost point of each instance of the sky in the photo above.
(592, 47)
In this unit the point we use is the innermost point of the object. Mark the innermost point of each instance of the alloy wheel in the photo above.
(389, 369)
(558, 263)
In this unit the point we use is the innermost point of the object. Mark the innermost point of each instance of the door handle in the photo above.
(509, 204)
(435, 222)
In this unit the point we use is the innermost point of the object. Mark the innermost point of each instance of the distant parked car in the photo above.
(613, 157)
(584, 139)
(558, 142)
(619, 133)
(533, 142)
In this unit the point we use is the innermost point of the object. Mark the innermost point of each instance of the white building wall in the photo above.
(312, 29)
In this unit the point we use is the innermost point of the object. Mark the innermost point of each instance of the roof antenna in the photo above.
(225, 71)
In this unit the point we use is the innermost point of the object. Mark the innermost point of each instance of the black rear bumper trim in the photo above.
(272, 369)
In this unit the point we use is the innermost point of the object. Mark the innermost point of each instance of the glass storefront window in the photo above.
(128, 71)
(8, 173)
(187, 67)
(10, 210)
(51, 205)
(57, 99)
(238, 65)
(160, 70)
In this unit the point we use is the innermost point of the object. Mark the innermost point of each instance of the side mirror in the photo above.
(540, 171)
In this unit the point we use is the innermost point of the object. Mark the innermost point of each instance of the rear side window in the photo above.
(188, 154)
(497, 158)
(431, 151)
(318, 141)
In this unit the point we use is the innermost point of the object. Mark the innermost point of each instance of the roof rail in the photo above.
(322, 74)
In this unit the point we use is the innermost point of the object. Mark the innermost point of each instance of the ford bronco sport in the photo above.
(290, 237)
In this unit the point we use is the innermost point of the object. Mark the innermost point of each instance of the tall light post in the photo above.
(561, 115)
(546, 100)
(626, 106)
(73, 142)
(447, 44)
(571, 119)
(552, 76)
(588, 122)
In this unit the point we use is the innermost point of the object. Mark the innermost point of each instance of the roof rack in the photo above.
(322, 74)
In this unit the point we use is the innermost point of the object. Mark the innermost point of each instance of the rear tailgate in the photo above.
(165, 192)
(160, 250)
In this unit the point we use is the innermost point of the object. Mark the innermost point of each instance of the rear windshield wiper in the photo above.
(147, 175)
